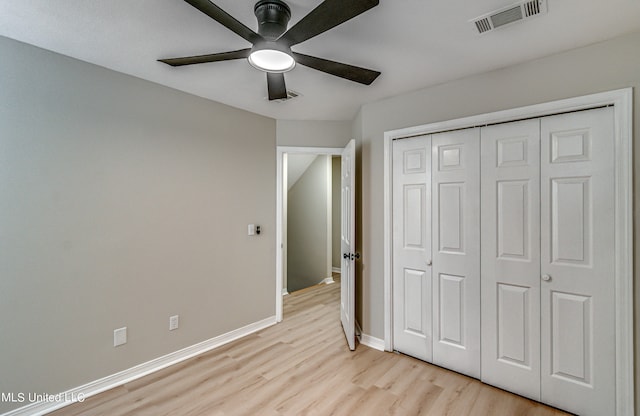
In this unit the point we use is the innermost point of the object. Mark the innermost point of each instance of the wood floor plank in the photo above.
(302, 366)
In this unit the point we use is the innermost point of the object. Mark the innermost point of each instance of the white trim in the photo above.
(337, 151)
(388, 243)
(284, 292)
(533, 111)
(279, 233)
(327, 281)
(141, 370)
(329, 217)
(623, 137)
(336, 270)
(372, 342)
(281, 152)
(368, 340)
(623, 116)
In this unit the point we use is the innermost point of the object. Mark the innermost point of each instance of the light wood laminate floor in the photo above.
(302, 366)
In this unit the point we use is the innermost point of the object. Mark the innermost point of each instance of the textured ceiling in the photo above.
(414, 43)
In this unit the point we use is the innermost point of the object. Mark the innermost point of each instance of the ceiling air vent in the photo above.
(510, 14)
(290, 96)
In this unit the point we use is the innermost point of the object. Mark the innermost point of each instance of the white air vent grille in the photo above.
(531, 8)
(483, 25)
(510, 14)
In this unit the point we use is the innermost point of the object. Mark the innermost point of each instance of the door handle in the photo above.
(429, 262)
(345, 256)
(546, 277)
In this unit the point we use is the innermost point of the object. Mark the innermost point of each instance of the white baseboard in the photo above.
(372, 342)
(327, 281)
(98, 386)
(284, 292)
(368, 340)
(336, 270)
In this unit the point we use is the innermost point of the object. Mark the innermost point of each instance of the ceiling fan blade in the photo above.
(201, 59)
(327, 15)
(276, 86)
(350, 72)
(225, 19)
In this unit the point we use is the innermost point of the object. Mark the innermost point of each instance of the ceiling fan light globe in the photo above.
(271, 60)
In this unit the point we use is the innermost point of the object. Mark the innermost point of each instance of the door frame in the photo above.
(622, 102)
(281, 220)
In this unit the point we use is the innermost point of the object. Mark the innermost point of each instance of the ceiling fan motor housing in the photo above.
(273, 17)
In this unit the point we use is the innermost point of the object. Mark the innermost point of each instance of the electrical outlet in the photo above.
(120, 336)
(174, 321)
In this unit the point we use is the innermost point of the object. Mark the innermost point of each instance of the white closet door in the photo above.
(511, 257)
(456, 250)
(577, 236)
(412, 247)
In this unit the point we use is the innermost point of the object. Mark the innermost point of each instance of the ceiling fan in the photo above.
(271, 51)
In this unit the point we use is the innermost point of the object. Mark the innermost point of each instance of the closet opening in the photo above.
(565, 169)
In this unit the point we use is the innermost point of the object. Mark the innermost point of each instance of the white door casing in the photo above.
(347, 243)
(412, 247)
(578, 262)
(281, 219)
(456, 250)
(510, 253)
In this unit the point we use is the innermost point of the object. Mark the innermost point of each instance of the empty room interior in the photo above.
(286, 207)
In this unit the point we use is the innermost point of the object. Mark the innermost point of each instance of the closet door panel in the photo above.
(412, 315)
(577, 262)
(510, 158)
(456, 256)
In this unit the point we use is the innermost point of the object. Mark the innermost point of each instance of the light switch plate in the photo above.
(120, 336)
(174, 321)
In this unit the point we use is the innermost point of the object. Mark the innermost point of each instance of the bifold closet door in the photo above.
(411, 279)
(456, 250)
(510, 155)
(548, 327)
(577, 267)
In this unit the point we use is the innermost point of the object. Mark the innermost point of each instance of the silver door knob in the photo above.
(429, 262)
(546, 277)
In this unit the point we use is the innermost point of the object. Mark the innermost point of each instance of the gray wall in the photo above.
(312, 133)
(336, 252)
(307, 227)
(118, 209)
(122, 202)
(600, 67)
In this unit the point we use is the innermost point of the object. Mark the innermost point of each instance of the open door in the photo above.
(348, 244)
